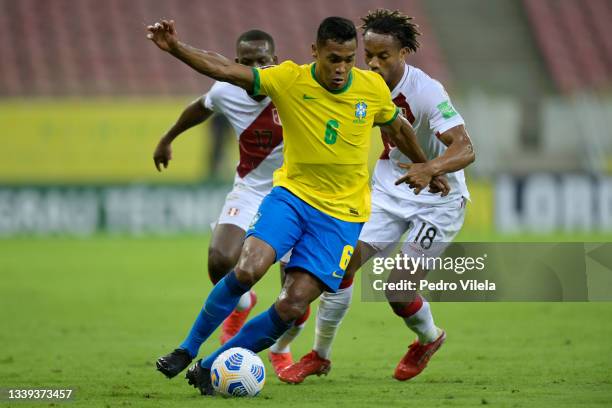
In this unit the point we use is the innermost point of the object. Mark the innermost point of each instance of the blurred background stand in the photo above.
(84, 98)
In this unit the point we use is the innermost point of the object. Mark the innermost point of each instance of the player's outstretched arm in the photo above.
(211, 64)
(403, 136)
(194, 114)
(458, 155)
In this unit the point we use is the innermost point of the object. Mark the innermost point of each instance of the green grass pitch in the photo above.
(94, 314)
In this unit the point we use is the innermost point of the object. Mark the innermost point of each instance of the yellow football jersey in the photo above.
(326, 135)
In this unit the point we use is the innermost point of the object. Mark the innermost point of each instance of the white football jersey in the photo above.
(426, 105)
(258, 129)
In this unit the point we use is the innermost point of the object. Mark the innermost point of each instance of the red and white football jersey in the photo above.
(258, 129)
(427, 106)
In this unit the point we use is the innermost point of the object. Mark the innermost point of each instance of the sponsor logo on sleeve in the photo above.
(446, 109)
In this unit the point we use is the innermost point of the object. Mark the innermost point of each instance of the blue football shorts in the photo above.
(321, 244)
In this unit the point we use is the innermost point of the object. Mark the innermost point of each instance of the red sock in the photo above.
(409, 309)
(346, 283)
(302, 319)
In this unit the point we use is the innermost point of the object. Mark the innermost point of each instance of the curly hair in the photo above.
(400, 26)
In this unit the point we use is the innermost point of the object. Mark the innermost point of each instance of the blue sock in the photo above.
(258, 334)
(220, 302)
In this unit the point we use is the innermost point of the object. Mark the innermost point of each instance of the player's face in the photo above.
(385, 55)
(255, 54)
(334, 62)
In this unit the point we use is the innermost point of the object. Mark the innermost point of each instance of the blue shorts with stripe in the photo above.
(321, 244)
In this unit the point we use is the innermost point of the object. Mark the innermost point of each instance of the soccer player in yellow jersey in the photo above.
(321, 196)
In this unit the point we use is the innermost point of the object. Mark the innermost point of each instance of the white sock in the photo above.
(422, 324)
(284, 341)
(244, 302)
(332, 308)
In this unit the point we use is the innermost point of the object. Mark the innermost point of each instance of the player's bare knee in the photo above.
(252, 266)
(290, 309)
(246, 276)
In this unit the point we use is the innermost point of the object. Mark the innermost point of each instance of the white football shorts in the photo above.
(241, 205)
(429, 228)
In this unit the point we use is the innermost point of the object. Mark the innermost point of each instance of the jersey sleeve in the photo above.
(272, 81)
(388, 111)
(440, 112)
(209, 100)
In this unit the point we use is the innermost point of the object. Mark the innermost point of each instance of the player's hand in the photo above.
(162, 155)
(418, 177)
(163, 34)
(439, 184)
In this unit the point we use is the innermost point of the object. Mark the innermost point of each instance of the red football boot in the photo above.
(235, 321)
(280, 361)
(310, 364)
(417, 357)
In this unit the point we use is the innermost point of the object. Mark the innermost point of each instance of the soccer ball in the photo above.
(238, 372)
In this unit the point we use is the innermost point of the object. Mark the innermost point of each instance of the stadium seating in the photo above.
(92, 47)
(573, 38)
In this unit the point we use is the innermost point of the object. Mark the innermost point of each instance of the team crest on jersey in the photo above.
(233, 212)
(361, 110)
(276, 117)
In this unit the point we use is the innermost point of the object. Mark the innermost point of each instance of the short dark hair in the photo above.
(400, 26)
(256, 35)
(337, 29)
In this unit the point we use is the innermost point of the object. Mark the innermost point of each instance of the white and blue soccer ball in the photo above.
(238, 372)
